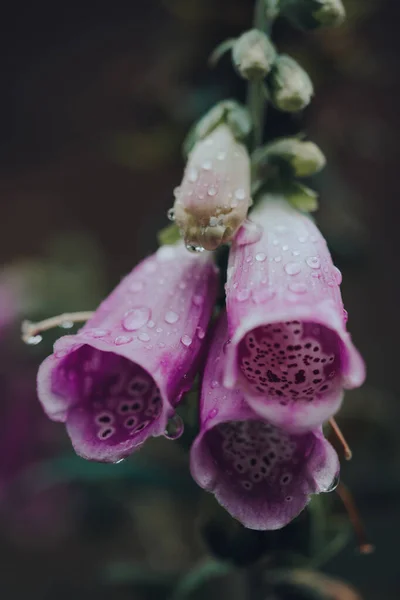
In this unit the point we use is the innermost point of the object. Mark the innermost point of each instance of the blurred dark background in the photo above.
(95, 103)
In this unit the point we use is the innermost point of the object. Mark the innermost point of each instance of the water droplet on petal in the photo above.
(194, 249)
(193, 175)
(150, 324)
(334, 484)
(67, 324)
(221, 155)
(214, 384)
(345, 315)
(302, 239)
(278, 258)
(260, 257)
(171, 214)
(240, 194)
(243, 295)
(186, 340)
(262, 295)
(136, 318)
(207, 165)
(212, 191)
(337, 275)
(213, 413)
(298, 288)
(292, 268)
(136, 286)
(171, 317)
(175, 428)
(285, 248)
(98, 333)
(143, 337)
(313, 262)
(197, 300)
(122, 339)
(295, 253)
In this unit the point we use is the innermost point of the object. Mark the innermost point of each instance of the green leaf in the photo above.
(301, 197)
(169, 235)
(198, 576)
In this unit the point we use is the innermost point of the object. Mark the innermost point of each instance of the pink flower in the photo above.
(289, 350)
(214, 197)
(261, 474)
(118, 381)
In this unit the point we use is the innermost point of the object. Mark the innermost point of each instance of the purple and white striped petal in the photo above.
(119, 379)
(289, 350)
(214, 197)
(262, 475)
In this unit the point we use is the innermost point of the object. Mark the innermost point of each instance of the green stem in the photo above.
(256, 104)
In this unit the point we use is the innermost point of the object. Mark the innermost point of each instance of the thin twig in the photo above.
(346, 448)
(359, 529)
(30, 329)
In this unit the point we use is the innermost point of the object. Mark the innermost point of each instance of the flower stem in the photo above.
(338, 432)
(256, 102)
(30, 329)
(346, 497)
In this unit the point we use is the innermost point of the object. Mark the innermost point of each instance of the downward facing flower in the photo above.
(261, 474)
(289, 349)
(214, 197)
(117, 382)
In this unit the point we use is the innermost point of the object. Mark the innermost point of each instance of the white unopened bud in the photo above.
(305, 158)
(214, 197)
(290, 87)
(253, 55)
(311, 14)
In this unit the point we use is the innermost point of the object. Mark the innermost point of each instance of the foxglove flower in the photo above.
(289, 350)
(118, 380)
(261, 474)
(214, 197)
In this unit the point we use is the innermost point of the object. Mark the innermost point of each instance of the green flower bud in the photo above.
(304, 158)
(289, 85)
(253, 55)
(228, 112)
(301, 197)
(311, 14)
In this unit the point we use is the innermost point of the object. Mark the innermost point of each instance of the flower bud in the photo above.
(290, 86)
(214, 197)
(311, 14)
(253, 55)
(304, 158)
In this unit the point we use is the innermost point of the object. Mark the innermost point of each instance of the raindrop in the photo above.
(143, 337)
(150, 324)
(260, 257)
(221, 155)
(186, 340)
(171, 214)
(136, 318)
(34, 340)
(278, 258)
(262, 295)
(298, 288)
(197, 300)
(334, 484)
(176, 191)
(136, 286)
(194, 249)
(243, 295)
(171, 317)
(122, 339)
(295, 253)
(98, 333)
(302, 239)
(193, 175)
(207, 165)
(201, 333)
(213, 413)
(240, 194)
(214, 384)
(292, 268)
(313, 262)
(213, 221)
(285, 247)
(67, 324)
(212, 192)
(174, 428)
(345, 315)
